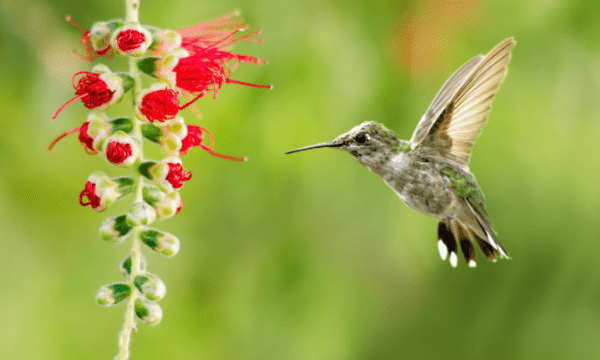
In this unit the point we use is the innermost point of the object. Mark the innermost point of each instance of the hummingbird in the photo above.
(430, 172)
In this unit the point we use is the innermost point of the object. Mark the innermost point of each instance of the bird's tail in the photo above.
(452, 233)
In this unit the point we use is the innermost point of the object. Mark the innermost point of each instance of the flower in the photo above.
(168, 173)
(95, 130)
(98, 90)
(95, 41)
(121, 150)
(131, 40)
(158, 103)
(195, 59)
(177, 175)
(100, 191)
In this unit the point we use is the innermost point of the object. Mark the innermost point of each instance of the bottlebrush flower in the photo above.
(95, 130)
(131, 40)
(101, 191)
(96, 41)
(99, 89)
(121, 150)
(158, 103)
(195, 59)
(168, 173)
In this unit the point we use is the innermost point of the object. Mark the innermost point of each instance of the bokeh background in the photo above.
(311, 256)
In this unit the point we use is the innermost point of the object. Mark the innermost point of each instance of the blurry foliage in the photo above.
(310, 256)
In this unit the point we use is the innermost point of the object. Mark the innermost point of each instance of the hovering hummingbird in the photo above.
(430, 172)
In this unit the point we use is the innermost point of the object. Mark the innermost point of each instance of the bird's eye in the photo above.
(361, 138)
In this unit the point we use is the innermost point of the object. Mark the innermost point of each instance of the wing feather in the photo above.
(459, 111)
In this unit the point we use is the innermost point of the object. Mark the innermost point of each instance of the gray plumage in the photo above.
(430, 173)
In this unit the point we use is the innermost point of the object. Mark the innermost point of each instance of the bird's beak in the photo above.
(333, 143)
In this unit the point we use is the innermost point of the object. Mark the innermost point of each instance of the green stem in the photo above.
(132, 7)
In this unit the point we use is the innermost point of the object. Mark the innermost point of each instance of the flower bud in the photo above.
(151, 286)
(165, 42)
(121, 150)
(131, 40)
(169, 206)
(100, 191)
(148, 311)
(164, 243)
(141, 213)
(112, 294)
(168, 135)
(125, 265)
(168, 173)
(166, 205)
(158, 103)
(100, 34)
(115, 229)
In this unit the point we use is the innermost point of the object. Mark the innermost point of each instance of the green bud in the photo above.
(151, 286)
(164, 243)
(148, 311)
(115, 229)
(148, 65)
(126, 264)
(152, 132)
(124, 124)
(152, 195)
(141, 213)
(125, 185)
(112, 294)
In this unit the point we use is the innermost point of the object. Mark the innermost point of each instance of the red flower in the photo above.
(89, 53)
(90, 193)
(207, 67)
(84, 138)
(117, 152)
(91, 89)
(130, 40)
(177, 175)
(160, 105)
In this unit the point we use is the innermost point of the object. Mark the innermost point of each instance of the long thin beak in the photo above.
(332, 143)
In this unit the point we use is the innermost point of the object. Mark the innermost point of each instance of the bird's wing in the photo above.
(459, 111)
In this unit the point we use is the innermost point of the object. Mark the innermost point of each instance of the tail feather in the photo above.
(453, 232)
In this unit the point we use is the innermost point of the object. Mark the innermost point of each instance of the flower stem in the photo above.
(132, 7)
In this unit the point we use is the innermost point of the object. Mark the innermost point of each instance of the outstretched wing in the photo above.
(459, 111)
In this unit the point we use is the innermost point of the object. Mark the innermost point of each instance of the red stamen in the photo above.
(90, 193)
(229, 81)
(177, 175)
(68, 18)
(195, 137)
(92, 91)
(117, 152)
(61, 137)
(160, 105)
(217, 23)
(65, 105)
(130, 40)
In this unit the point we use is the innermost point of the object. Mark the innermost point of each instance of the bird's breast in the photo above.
(421, 186)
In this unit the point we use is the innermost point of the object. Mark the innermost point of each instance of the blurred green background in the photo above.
(311, 256)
